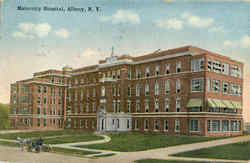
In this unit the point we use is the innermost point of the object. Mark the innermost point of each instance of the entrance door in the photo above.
(102, 124)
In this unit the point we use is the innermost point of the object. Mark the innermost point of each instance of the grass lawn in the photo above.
(165, 161)
(73, 152)
(139, 142)
(238, 151)
(37, 134)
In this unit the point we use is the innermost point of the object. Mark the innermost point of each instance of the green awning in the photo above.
(228, 104)
(195, 102)
(211, 103)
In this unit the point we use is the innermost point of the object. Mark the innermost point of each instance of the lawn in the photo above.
(139, 142)
(165, 161)
(237, 151)
(72, 139)
(37, 134)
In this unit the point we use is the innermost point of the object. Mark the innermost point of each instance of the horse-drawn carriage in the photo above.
(37, 146)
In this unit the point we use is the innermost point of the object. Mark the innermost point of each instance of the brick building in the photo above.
(182, 91)
(40, 102)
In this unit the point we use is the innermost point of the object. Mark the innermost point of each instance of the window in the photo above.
(178, 86)
(146, 106)
(146, 124)
(147, 72)
(234, 125)
(197, 85)
(177, 125)
(128, 123)
(225, 68)
(166, 105)
(137, 106)
(157, 70)
(136, 124)
(118, 91)
(137, 90)
(156, 105)
(113, 75)
(216, 86)
(114, 91)
(129, 91)
(235, 90)
(45, 100)
(236, 71)
(45, 111)
(24, 99)
(118, 74)
(216, 125)
(194, 125)
(129, 74)
(166, 125)
(156, 88)
(178, 67)
(103, 91)
(119, 106)
(178, 104)
(45, 122)
(217, 67)
(209, 125)
(197, 65)
(156, 126)
(168, 68)
(167, 87)
(39, 89)
(45, 90)
(225, 88)
(114, 106)
(147, 90)
(225, 125)
(209, 65)
(129, 106)
(76, 81)
(138, 73)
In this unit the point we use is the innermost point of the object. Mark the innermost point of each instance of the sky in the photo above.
(33, 41)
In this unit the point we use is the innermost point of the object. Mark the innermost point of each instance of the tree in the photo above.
(4, 111)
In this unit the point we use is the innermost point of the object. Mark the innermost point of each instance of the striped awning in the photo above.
(219, 103)
(237, 105)
(228, 104)
(211, 103)
(216, 103)
(195, 102)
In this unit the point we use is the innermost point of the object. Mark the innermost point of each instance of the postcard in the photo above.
(127, 80)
